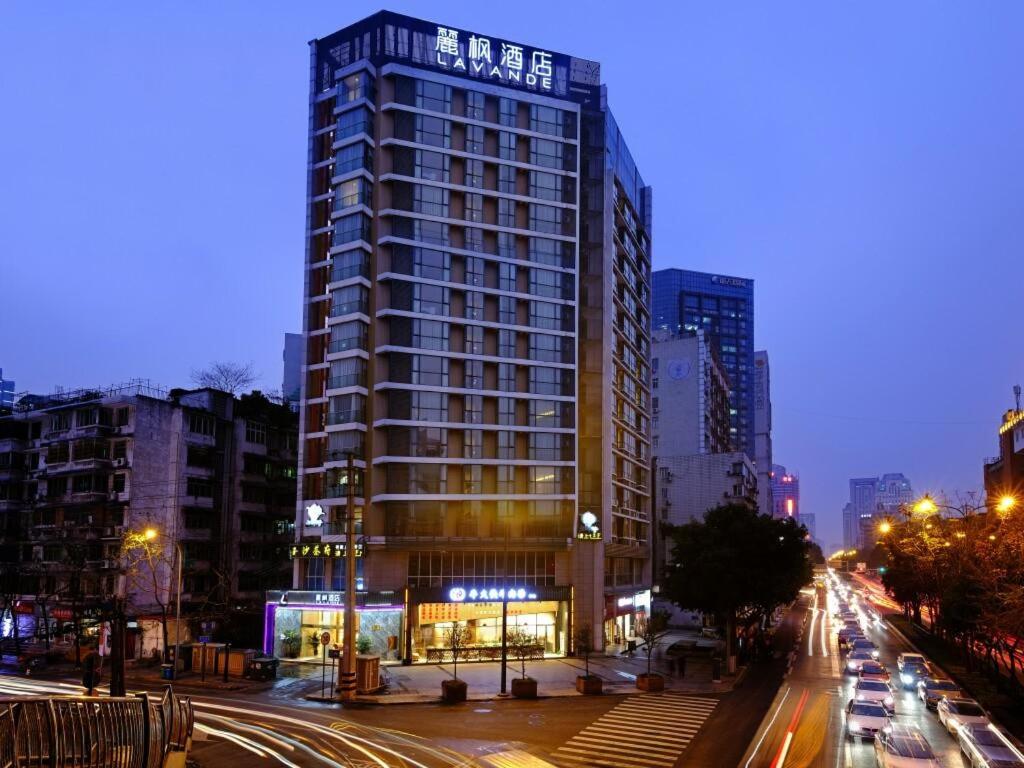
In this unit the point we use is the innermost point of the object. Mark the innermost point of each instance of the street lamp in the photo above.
(149, 535)
(885, 527)
(1006, 503)
(926, 506)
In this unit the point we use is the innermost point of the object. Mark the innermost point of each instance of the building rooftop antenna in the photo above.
(1016, 394)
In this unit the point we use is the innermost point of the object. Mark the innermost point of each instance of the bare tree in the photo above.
(227, 377)
(148, 565)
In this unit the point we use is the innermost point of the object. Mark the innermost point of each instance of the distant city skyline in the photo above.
(856, 190)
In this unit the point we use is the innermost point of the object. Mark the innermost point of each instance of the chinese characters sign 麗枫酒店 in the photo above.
(481, 57)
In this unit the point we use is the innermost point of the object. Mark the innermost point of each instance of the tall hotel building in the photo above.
(477, 328)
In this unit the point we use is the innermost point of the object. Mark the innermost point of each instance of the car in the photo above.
(984, 746)
(874, 670)
(865, 718)
(931, 689)
(856, 660)
(863, 644)
(956, 713)
(912, 674)
(910, 658)
(876, 691)
(903, 746)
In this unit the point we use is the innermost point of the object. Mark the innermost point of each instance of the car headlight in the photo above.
(906, 679)
(874, 654)
(888, 700)
(849, 665)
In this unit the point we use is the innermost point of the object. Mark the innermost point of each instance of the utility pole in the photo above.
(504, 617)
(347, 681)
(177, 615)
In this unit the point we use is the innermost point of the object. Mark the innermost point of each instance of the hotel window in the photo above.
(428, 441)
(474, 270)
(544, 480)
(431, 264)
(547, 218)
(544, 282)
(545, 446)
(507, 111)
(545, 381)
(346, 336)
(507, 145)
(546, 153)
(474, 305)
(506, 377)
(546, 186)
(507, 277)
(551, 252)
(347, 229)
(429, 406)
(544, 413)
(546, 120)
(507, 245)
(255, 432)
(475, 105)
(506, 444)
(473, 239)
(507, 411)
(433, 131)
(430, 334)
(352, 157)
(474, 208)
(429, 370)
(507, 179)
(506, 343)
(545, 348)
(506, 479)
(314, 573)
(474, 374)
(506, 310)
(354, 121)
(433, 166)
(432, 201)
(433, 96)
(475, 139)
(356, 86)
(473, 409)
(506, 212)
(472, 478)
(430, 299)
(474, 344)
(545, 315)
(475, 173)
(472, 443)
(353, 192)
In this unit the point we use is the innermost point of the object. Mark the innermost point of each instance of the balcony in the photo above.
(348, 271)
(351, 308)
(348, 380)
(348, 343)
(351, 416)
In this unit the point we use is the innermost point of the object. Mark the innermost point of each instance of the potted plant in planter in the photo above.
(586, 683)
(651, 633)
(522, 645)
(363, 645)
(455, 639)
(314, 640)
(290, 643)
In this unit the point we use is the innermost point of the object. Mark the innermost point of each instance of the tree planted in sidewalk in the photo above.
(522, 645)
(457, 639)
(736, 561)
(583, 638)
(652, 630)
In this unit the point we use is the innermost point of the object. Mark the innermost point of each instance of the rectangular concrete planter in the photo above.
(524, 688)
(588, 684)
(651, 683)
(453, 691)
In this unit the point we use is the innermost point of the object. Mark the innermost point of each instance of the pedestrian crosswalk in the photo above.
(649, 731)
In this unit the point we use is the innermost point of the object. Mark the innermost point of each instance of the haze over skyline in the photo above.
(861, 163)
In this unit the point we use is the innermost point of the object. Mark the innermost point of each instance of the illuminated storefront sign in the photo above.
(330, 551)
(314, 516)
(496, 60)
(460, 594)
(589, 529)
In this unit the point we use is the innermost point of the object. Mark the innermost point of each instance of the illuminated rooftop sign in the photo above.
(495, 60)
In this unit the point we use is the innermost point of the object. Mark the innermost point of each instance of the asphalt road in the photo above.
(808, 710)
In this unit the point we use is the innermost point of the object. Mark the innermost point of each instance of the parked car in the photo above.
(984, 746)
(903, 746)
(863, 644)
(956, 713)
(874, 670)
(910, 658)
(865, 718)
(855, 661)
(931, 689)
(878, 692)
(912, 674)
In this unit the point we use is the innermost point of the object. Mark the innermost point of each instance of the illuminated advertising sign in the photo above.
(589, 529)
(461, 594)
(330, 551)
(493, 59)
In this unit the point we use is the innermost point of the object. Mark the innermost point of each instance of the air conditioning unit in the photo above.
(121, 462)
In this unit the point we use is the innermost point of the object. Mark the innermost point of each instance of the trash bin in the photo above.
(681, 666)
(167, 671)
(716, 670)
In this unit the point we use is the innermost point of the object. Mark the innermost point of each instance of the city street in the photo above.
(805, 724)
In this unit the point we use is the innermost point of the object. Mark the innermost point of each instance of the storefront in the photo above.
(541, 612)
(295, 617)
(624, 616)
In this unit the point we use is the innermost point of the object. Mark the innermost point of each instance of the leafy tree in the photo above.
(522, 645)
(734, 561)
(227, 377)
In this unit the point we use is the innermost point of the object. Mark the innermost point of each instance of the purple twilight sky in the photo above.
(860, 161)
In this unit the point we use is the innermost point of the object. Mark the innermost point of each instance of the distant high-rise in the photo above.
(871, 499)
(809, 521)
(291, 382)
(723, 307)
(6, 391)
(785, 493)
(763, 432)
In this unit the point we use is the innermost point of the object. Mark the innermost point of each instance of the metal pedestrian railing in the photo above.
(89, 732)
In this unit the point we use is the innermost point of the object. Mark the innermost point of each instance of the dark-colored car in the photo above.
(931, 689)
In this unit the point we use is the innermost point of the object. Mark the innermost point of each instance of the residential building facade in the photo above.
(688, 486)
(477, 342)
(690, 397)
(763, 431)
(83, 471)
(723, 307)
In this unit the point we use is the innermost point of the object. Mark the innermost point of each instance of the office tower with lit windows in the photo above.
(477, 339)
(785, 493)
(723, 307)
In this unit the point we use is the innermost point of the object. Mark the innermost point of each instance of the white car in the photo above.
(865, 718)
(911, 658)
(856, 660)
(863, 644)
(903, 746)
(956, 713)
(983, 746)
(876, 691)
